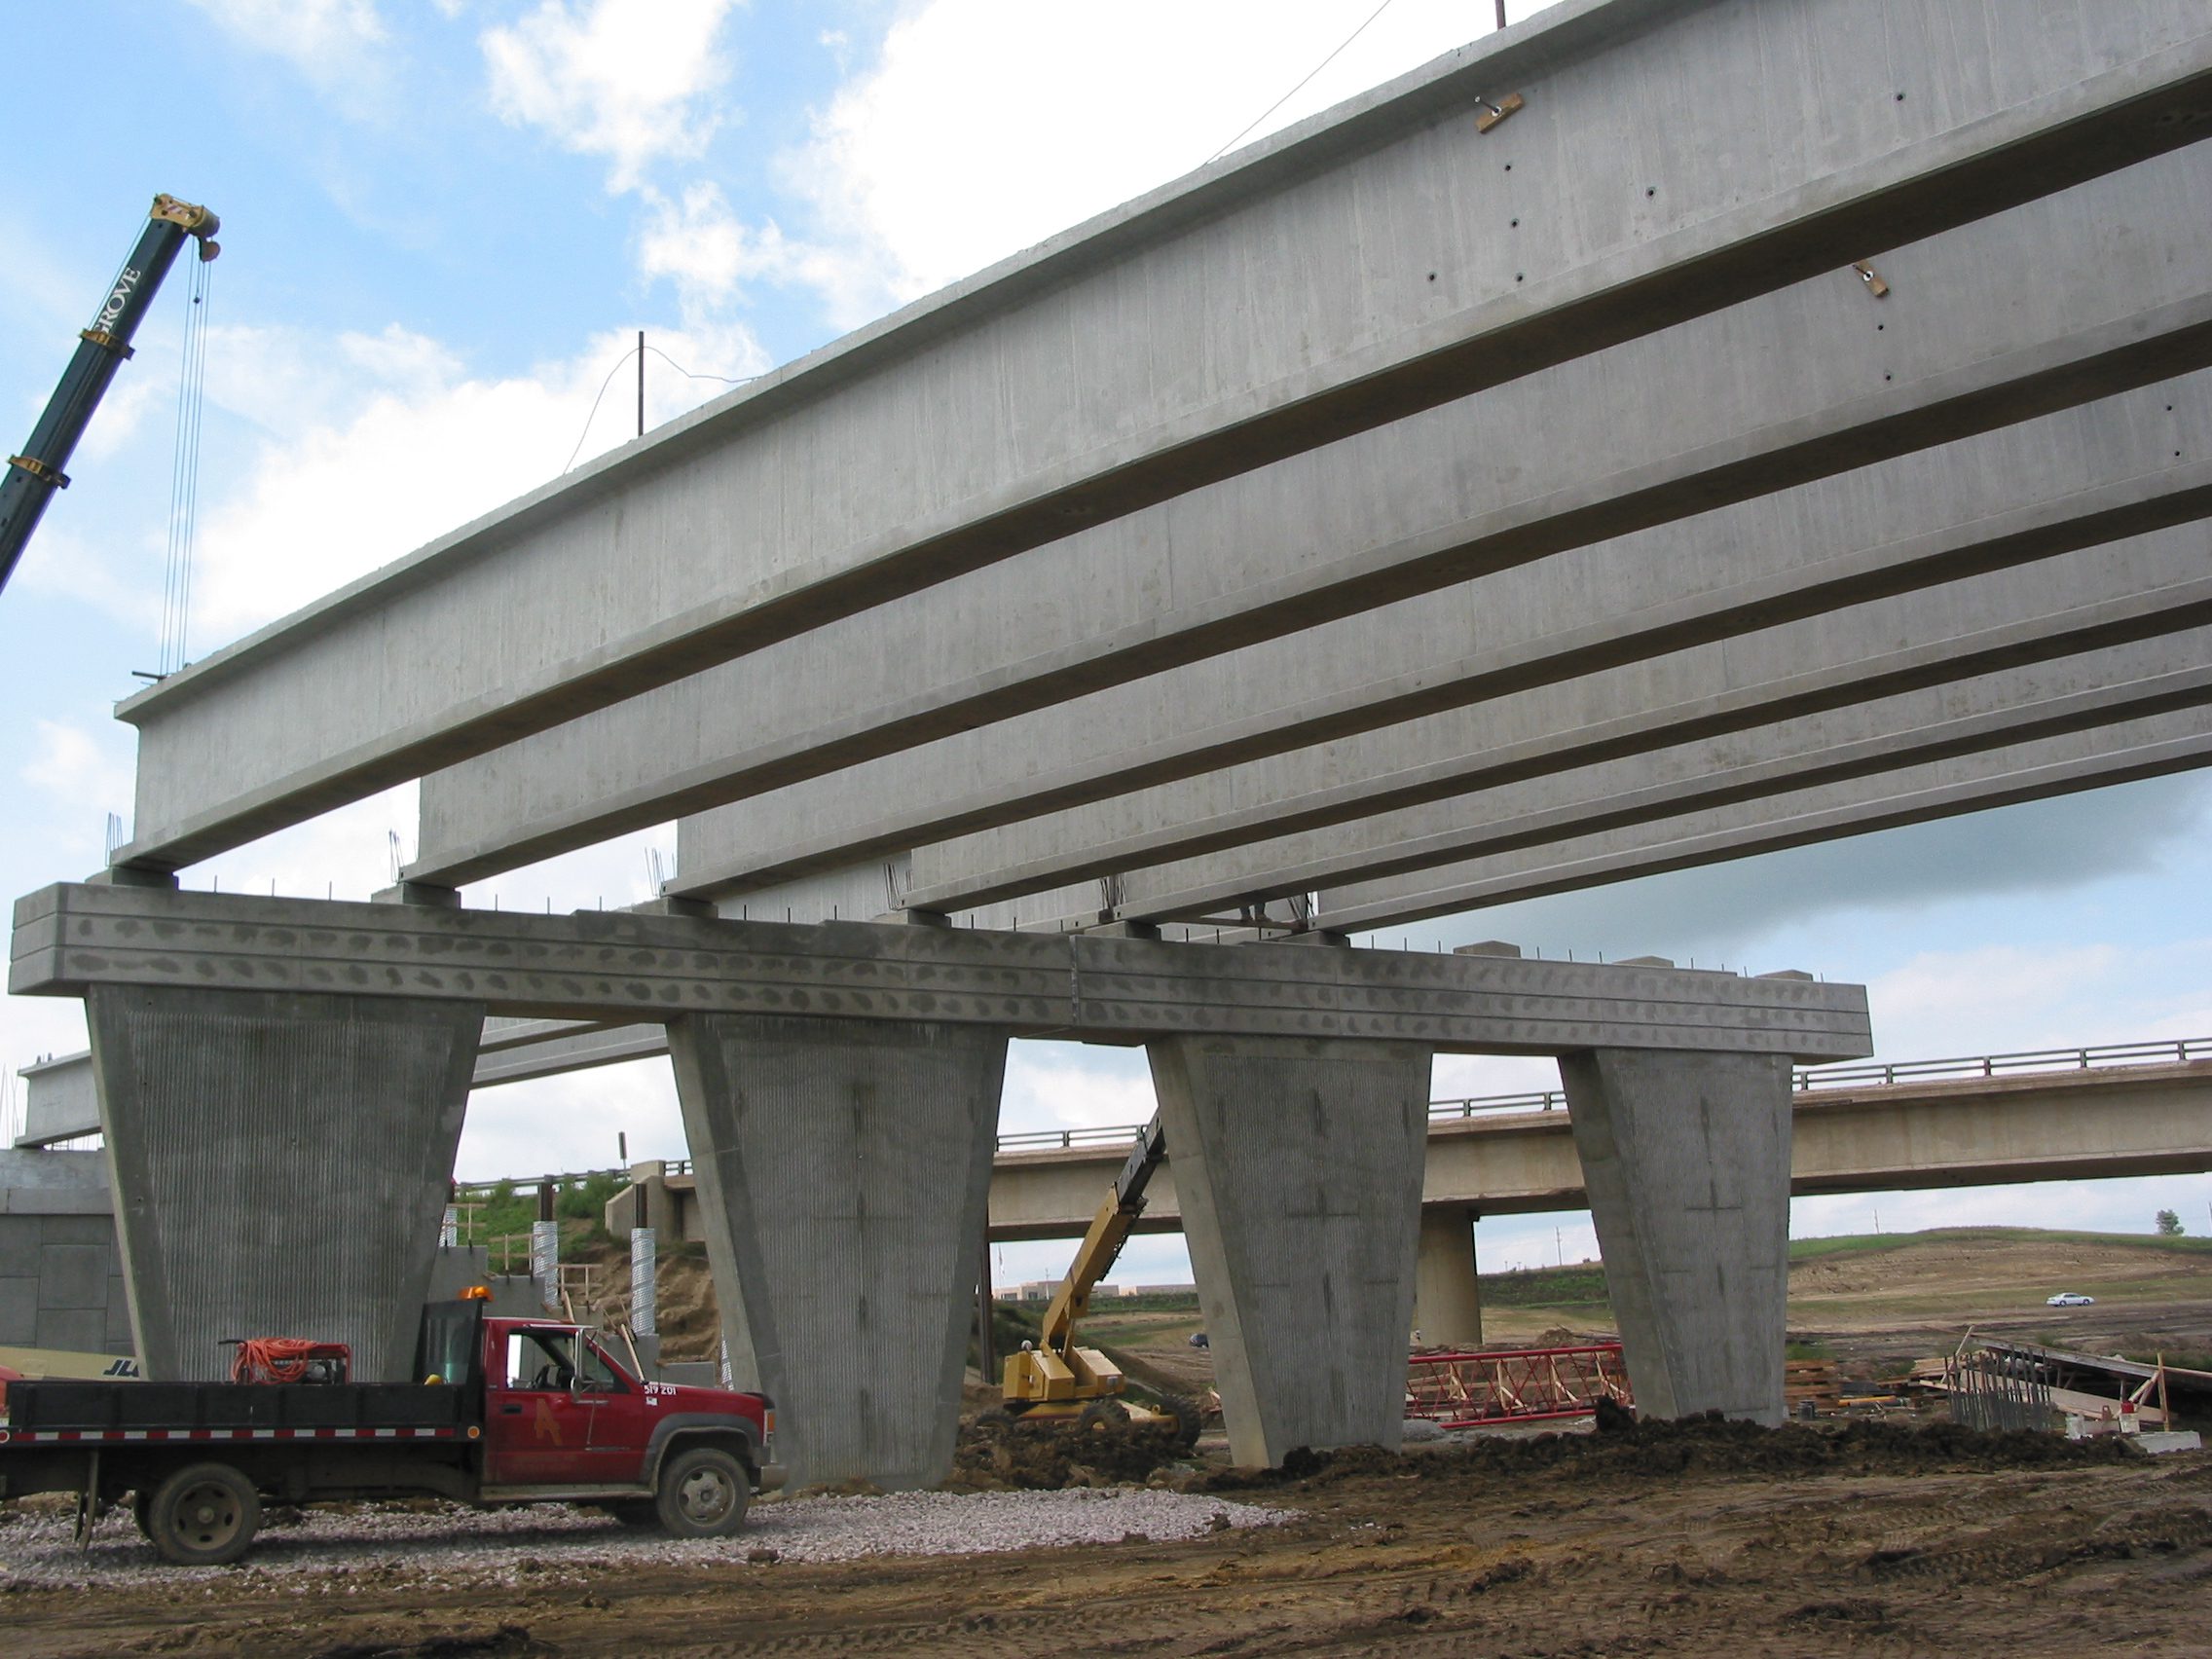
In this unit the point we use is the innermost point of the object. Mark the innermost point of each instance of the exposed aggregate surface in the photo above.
(450, 1545)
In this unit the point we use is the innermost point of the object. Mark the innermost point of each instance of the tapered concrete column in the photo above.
(1298, 1165)
(1448, 1300)
(1686, 1159)
(843, 1168)
(281, 1164)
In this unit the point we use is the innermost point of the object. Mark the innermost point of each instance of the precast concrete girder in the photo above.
(601, 967)
(1354, 271)
(2008, 318)
(1990, 503)
(843, 1166)
(2148, 747)
(1298, 1167)
(2105, 619)
(1686, 1159)
(2002, 711)
(280, 1161)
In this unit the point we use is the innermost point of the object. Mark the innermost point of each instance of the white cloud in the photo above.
(324, 39)
(75, 767)
(406, 412)
(986, 126)
(629, 80)
(708, 252)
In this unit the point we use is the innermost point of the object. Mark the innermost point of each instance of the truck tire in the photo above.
(204, 1515)
(703, 1493)
(142, 1512)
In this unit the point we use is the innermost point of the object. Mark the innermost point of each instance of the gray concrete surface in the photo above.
(2008, 711)
(1447, 1298)
(1377, 509)
(2148, 747)
(1298, 1165)
(594, 966)
(1687, 1158)
(1120, 365)
(282, 1161)
(2095, 1123)
(60, 1275)
(842, 1169)
(1983, 665)
(59, 1102)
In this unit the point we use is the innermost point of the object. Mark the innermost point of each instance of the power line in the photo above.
(1301, 86)
(633, 351)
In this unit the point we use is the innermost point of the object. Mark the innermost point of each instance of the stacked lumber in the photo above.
(1810, 1380)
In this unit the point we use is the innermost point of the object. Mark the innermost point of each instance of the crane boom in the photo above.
(30, 479)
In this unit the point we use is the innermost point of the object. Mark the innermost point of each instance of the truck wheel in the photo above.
(702, 1493)
(204, 1515)
(142, 1512)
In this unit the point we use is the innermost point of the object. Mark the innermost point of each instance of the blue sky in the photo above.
(446, 219)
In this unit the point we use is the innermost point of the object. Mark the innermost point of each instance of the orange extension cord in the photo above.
(282, 1359)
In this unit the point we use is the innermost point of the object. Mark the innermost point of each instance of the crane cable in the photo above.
(184, 472)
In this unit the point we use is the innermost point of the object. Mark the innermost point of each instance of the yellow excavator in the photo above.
(1054, 1378)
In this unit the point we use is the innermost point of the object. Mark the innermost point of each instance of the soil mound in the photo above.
(1628, 1451)
(1046, 1456)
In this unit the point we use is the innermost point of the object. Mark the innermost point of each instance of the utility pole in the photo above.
(641, 372)
(1502, 13)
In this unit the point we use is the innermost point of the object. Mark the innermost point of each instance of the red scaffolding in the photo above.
(1465, 1390)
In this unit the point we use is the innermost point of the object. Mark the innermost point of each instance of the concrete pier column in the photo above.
(1448, 1301)
(843, 1169)
(1298, 1167)
(280, 1161)
(1686, 1161)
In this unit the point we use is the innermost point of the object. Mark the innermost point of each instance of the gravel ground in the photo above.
(548, 1543)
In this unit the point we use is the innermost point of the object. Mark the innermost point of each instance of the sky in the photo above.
(445, 222)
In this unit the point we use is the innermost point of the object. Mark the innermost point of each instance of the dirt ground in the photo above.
(1696, 1538)
(1869, 1538)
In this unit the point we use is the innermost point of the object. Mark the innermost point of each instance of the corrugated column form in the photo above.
(1299, 1168)
(281, 1161)
(545, 1263)
(1687, 1158)
(644, 1302)
(843, 1166)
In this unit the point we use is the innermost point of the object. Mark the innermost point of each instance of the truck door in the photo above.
(537, 1426)
(621, 1422)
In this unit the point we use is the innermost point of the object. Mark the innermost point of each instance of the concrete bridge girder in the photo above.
(2025, 492)
(2124, 752)
(1307, 547)
(749, 523)
(1563, 754)
(2005, 712)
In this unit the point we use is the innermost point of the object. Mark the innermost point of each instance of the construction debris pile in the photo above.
(1047, 1457)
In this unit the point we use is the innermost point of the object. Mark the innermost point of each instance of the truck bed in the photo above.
(54, 1412)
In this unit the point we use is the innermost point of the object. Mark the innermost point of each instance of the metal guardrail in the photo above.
(2180, 1050)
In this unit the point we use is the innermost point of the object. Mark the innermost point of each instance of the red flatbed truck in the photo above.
(508, 1412)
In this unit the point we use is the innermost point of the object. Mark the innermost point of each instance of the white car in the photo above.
(2070, 1299)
